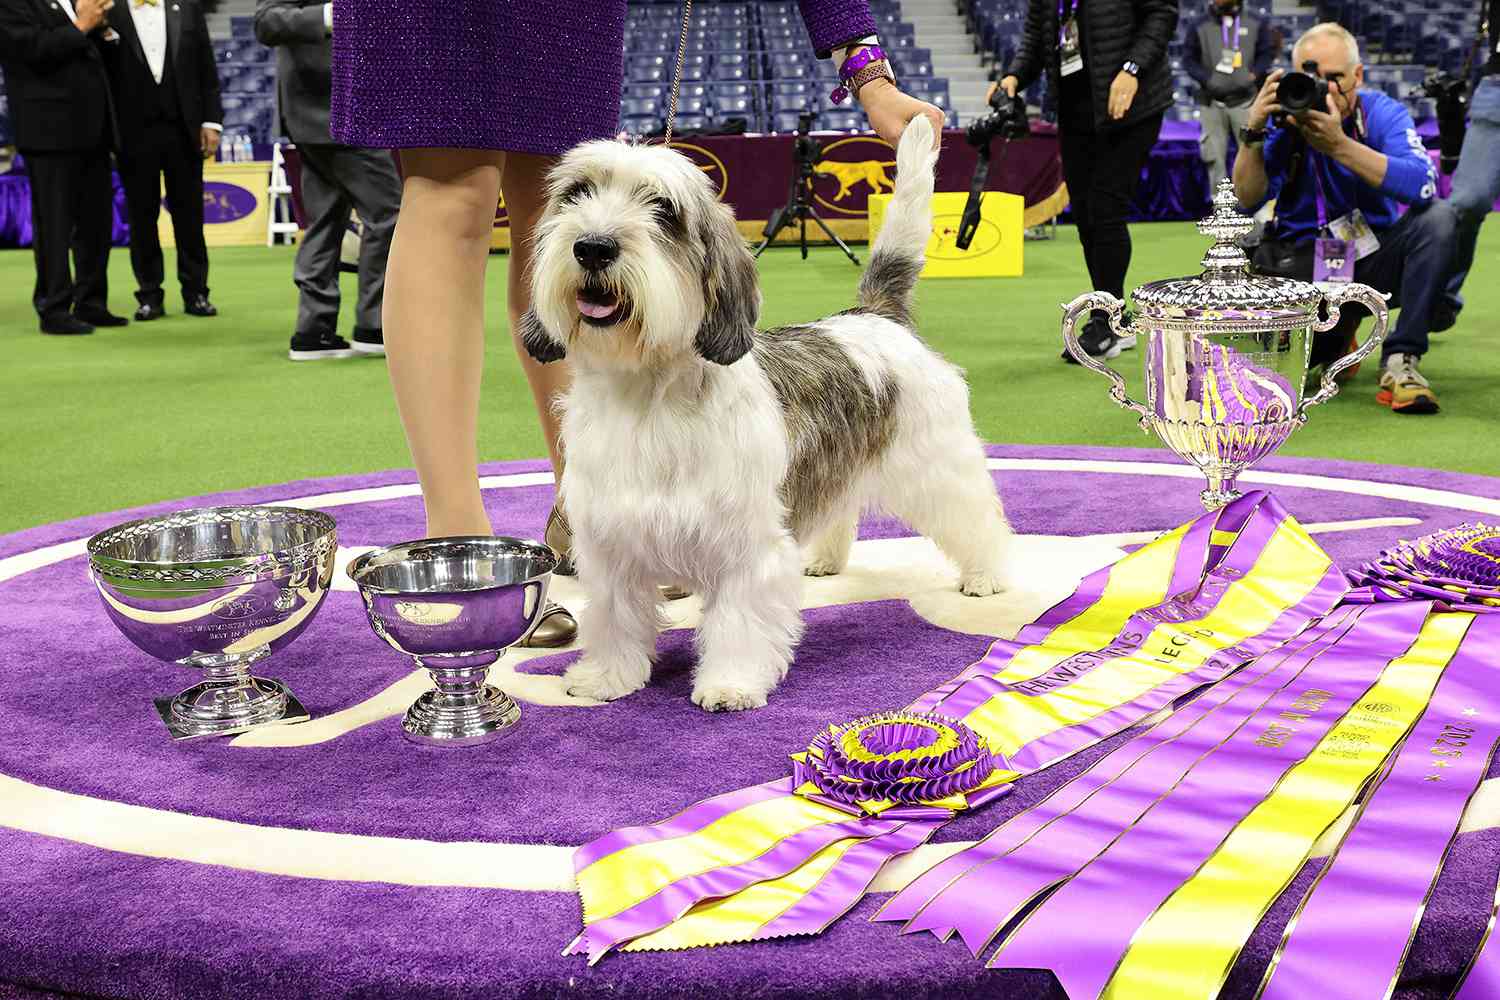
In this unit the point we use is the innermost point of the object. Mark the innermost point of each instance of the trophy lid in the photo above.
(1228, 292)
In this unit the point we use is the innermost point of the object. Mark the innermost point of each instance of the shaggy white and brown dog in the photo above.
(703, 453)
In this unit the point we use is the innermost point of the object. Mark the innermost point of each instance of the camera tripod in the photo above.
(799, 207)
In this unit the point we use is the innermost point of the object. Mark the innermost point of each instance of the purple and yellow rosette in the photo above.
(1458, 566)
(880, 762)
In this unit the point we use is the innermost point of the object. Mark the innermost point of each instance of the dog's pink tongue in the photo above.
(594, 310)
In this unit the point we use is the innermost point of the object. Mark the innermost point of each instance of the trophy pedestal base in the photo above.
(1215, 499)
(444, 719)
(215, 708)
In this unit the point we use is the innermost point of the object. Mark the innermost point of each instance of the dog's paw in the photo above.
(598, 682)
(822, 567)
(727, 697)
(983, 584)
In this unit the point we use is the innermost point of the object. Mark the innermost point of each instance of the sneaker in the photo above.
(317, 346)
(1100, 342)
(1403, 388)
(370, 342)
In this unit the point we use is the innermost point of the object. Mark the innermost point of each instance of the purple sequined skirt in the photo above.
(534, 76)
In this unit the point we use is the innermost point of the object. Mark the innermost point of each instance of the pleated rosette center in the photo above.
(894, 759)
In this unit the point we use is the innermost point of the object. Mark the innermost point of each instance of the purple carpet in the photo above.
(79, 920)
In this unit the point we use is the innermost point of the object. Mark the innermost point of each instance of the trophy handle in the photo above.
(1371, 300)
(1081, 307)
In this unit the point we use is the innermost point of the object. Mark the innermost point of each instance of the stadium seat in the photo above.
(843, 121)
(640, 124)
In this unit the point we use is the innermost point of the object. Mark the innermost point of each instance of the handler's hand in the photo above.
(208, 142)
(1264, 105)
(889, 110)
(1122, 94)
(91, 14)
(1323, 131)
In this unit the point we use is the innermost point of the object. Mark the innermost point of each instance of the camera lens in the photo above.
(1299, 92)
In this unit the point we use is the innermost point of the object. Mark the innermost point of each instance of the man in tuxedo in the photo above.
(63, 116)
(334, 179)
(167, 94)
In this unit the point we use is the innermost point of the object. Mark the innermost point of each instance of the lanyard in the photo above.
(1316, 159)
(1225, 33)
(1065, 11)
(1318, 194)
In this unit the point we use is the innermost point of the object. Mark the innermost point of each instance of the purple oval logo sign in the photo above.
(225, 202)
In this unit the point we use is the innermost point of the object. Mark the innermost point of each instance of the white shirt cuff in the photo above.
(328, 18)
(214, 125)
(840, 55)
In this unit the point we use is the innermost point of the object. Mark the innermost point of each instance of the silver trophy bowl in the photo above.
(1226, 353)
(218, 589)
(454, 605)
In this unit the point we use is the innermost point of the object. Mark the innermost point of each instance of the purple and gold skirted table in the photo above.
(334, 859)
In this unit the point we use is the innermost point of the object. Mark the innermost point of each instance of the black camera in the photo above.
(808, 151)
(1451, 95)
(1301, 92)
(1006, 120)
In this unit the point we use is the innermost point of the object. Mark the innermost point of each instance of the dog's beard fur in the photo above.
(690, 463)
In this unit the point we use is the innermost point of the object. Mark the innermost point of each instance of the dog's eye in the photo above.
(666, 213)
(576, 191)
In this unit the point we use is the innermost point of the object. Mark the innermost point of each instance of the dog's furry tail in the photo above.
(900, 250)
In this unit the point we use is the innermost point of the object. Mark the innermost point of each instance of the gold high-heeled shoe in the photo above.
(556, 627)
(559, 537)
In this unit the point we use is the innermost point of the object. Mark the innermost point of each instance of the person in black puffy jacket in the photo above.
(1106, 63)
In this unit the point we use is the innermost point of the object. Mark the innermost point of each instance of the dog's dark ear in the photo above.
(540, 344)
(731, 294)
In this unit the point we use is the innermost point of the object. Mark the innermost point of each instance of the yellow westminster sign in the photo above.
(997, 247)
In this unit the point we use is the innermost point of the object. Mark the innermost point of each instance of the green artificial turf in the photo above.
(185, 406)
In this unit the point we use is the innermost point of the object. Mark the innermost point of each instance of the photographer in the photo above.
(1476, 182)
(1338, 168)
(1228, 53)
(1106, 61)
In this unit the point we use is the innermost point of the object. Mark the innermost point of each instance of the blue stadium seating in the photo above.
(754, 61)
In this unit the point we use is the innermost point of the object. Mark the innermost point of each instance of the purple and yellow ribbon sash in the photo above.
(783, 858)
(1356, 926)
(1172, 901)
(978, 891)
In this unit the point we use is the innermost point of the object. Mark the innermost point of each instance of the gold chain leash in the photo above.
(687, 13)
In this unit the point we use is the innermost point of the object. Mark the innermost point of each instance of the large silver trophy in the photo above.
(1227, 353)
(218, 589)
(454, 605)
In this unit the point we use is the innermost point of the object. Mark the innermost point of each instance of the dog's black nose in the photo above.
(596, 253)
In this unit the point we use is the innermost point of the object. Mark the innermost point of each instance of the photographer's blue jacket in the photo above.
(1383, 124)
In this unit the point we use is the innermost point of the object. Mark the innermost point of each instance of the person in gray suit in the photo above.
(1229, 53)
(335, 178)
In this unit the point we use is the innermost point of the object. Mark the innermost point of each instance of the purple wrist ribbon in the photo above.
(852, 65)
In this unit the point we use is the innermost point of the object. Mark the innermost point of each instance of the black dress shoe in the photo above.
(99, 317)
(148, 312)
(199, 305)
(65, 324)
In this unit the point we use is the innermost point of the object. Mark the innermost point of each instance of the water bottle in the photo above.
(225, 152)
(249, 149)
